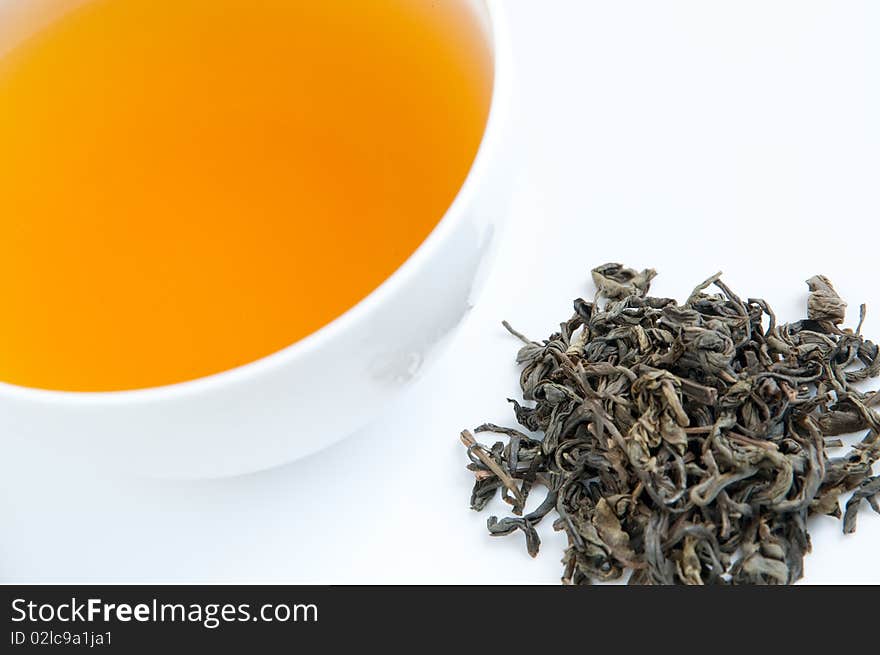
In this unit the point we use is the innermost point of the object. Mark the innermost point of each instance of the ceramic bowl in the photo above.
(320, 389)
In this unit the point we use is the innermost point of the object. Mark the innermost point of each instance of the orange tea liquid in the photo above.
(189, 185)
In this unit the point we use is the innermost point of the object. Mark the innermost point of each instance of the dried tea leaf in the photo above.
(689, 442)
(869, 490)
(824, 304)
(617, 282)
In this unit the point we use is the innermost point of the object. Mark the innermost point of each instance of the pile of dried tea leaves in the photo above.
(686, 443)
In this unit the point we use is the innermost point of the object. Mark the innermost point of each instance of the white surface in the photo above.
(652, 129)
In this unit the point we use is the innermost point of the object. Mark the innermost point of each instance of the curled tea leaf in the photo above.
(617, 282)
(869, 490)
(824, 304)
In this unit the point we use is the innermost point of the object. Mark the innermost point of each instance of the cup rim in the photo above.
(498, 38)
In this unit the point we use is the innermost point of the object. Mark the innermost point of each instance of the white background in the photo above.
(686, 136)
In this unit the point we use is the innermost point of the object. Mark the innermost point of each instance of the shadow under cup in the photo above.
(154, 330)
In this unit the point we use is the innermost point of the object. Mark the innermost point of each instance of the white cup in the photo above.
(318, 390)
